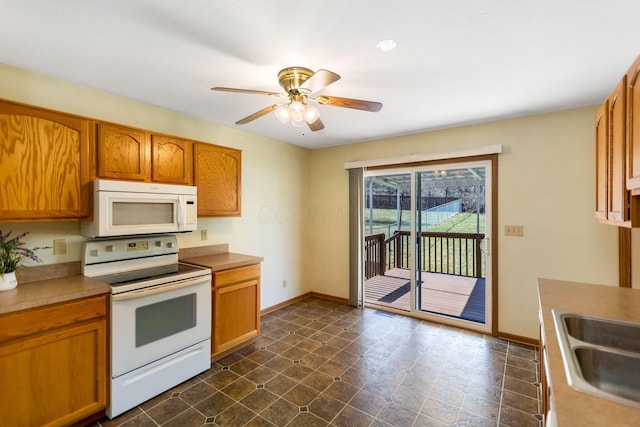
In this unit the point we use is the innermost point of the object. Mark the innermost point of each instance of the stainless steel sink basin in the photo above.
(611, 372)
(602, 332)
(601, 356)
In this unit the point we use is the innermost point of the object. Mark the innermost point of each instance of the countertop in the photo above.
(50, 291)
(223, 261)
(574, 408)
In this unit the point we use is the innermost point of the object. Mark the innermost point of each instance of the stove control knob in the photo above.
(170, 245)
(95, 252)
(110, 248)
(159, 243)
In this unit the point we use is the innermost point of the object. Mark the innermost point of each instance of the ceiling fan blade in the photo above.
(316, 125)
(357, 104)
(258, 114)
(319, 80)
(256, 92)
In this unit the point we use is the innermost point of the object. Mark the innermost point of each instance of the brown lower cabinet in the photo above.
(545, 390)
(53, 363)
(236, 308)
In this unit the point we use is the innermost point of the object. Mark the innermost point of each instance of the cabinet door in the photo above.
(44, 164)
(172, 160)
(617, 200)
(602, 153)
(54, 379)
(633, 126)
(217, 174)
(236, 314)
(123, 153)
(236, 307)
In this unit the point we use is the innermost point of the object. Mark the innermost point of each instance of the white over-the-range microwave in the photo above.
(123, 208)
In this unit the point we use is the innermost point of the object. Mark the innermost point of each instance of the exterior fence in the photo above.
(448, 253)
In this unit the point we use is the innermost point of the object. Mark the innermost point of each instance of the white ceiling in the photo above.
(457, 61)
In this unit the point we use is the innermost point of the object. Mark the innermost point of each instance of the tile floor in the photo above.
(323, 363)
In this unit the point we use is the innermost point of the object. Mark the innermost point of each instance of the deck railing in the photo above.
(449, 253)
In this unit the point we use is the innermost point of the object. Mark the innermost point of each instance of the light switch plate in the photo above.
(514, 230)
(59, 246)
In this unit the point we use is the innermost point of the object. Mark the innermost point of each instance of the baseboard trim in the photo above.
(329, 297)
(300, 298)
(284, 304)
(518, 338)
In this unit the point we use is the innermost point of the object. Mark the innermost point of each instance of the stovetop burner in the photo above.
(148, 274)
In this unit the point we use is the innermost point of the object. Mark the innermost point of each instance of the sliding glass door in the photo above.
(427, 242)
(388, 254)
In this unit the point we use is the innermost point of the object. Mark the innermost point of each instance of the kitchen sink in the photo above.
(601, 356)
(611, 372)
(603, 332)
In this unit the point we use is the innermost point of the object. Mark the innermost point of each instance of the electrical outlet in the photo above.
(284, 283)
(59, 246)
(514, 230)
(203, 234)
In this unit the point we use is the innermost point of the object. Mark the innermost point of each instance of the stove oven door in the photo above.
(149, 324)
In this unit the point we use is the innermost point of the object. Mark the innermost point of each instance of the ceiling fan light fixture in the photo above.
(301, 85)
(311, 114)
(282, 113)
(296, 111)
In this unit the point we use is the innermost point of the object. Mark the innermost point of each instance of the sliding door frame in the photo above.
(492, 201)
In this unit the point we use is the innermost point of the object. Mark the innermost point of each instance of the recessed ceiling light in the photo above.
(386, 45)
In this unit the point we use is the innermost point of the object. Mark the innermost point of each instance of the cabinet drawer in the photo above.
(234, 275)
(23, 323)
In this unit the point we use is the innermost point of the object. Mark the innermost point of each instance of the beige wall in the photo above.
(545, 183)
(274, 178)
(295, 210)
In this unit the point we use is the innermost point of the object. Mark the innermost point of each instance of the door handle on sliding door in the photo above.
(485, 246)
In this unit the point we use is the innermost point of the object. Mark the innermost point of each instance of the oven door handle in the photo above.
(139, 293)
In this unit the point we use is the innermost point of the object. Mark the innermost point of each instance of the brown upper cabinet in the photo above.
(614, 159)
(633, 127)
(49, 159)
(138, 155)
(123, 153)
(602, 156)
(172, 160)
(45, 167)
(217, 174)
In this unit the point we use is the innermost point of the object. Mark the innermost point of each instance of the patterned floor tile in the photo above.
(323, 363)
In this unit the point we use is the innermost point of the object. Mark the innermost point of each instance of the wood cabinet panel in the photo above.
(23, 323)
(172, 160)
(633, 126)
(614, 202)
(617, 190)
(237, 315)
(44, 164)
(58, 377)
(602, 155)
(123, 153)
(236, 308)
(235, 275)
(217, 174)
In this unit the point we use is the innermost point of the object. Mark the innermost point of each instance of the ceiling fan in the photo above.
(300, 85)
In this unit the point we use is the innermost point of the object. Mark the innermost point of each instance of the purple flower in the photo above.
(12, 252)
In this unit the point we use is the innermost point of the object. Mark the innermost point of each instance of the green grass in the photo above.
(460, 223)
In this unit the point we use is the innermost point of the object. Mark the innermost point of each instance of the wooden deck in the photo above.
(455, 296)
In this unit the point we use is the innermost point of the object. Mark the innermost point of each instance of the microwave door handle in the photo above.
(140, 293)
(179, 214)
